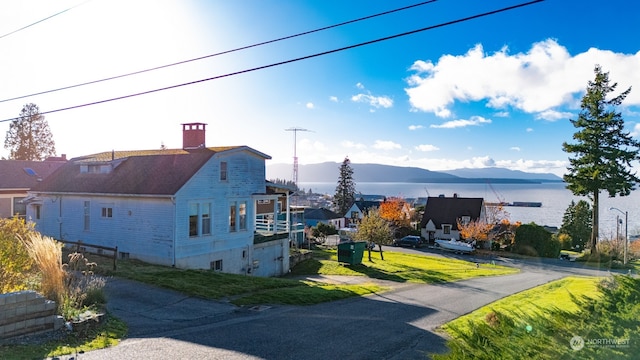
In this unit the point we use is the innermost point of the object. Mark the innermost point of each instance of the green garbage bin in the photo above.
(351, 252)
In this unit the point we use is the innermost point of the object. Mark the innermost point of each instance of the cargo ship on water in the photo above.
(515, 203)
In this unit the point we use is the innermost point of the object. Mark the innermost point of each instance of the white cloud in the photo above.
(543, 78)
(386, 145)
(360, 86)
(375, 101)
(529, 130)
(333, 98)
(552, 115)
(427, 147)
(415, 127)
(501, 114)
(351, 145)
(310, 105)
(515, 148)
(473, 121)
(636, 131)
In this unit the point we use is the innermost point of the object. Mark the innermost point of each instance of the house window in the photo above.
(465, 220)
(232, 218)
(193, 219)
(87, 215)
(216, 265)
(355, 215)
(106, 212)
(223, 171)
(206, 219)
(19, 208)
(446, 229)
(243, 215)
(37, 208)
(199, 219)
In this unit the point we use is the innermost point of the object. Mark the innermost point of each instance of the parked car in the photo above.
(408, 241)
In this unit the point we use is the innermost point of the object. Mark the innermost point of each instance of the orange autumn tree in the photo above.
(392, 210)
(475, 230)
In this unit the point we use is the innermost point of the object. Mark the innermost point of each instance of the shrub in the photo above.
(534, 240)
(47, 256)
(82, 287)
(16, 267)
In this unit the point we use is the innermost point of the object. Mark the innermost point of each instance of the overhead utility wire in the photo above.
(292, 60)
(39, 21)
(221, 53)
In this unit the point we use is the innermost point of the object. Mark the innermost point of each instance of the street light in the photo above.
(626, 231)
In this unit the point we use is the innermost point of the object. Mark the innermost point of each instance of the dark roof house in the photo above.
(441, 215)
(17, 177)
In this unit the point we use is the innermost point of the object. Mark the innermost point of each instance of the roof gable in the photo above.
(320, 214)
(444, 210)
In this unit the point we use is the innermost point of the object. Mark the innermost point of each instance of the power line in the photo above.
(39, 21)
(220, 53)
(292, 60)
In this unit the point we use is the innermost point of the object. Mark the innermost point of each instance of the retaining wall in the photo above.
(27, 312)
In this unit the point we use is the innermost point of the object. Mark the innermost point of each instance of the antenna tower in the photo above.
(295, 154)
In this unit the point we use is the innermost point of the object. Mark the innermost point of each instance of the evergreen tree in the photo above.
(602, 155)
(345, 190)
(29, 136)
(576, 223)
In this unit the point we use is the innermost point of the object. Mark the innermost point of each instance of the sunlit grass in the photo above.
(401, 267)
(529, 302)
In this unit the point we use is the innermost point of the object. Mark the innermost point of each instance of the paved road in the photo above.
(395, 325)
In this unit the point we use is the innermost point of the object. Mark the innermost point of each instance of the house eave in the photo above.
(41, 193)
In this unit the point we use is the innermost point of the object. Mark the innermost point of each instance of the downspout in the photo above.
(60, 218)
(175, 231)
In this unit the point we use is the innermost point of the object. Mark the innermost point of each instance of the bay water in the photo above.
(555, 199)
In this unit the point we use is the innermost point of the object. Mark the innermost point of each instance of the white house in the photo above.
(194, 207)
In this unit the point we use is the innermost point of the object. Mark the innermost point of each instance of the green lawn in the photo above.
(401, 267)
(530, 302)
(572, 318)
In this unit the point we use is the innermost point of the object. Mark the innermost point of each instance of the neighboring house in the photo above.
(17, 177)
(359, 209)
(195, 207)
(370, 197)
(441, 216)
(314, 216)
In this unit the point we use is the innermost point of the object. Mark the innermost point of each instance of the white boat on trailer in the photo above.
(457, 246)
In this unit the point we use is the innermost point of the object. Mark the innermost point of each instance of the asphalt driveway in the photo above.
(399, 324)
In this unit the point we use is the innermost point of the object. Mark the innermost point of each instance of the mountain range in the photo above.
(329, 172)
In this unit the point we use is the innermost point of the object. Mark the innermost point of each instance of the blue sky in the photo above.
(493, 91)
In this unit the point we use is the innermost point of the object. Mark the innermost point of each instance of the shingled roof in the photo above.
(447, 210)
(151, 172)
(23, 174)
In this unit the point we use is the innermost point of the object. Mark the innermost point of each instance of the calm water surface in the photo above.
(555, 199)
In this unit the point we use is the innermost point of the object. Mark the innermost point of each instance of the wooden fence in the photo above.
(81, 247)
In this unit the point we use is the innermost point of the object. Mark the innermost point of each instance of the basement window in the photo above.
(216, 265)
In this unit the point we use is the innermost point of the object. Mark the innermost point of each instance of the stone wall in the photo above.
(27, 312)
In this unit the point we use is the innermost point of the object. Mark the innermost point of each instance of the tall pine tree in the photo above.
(345, 194)
(601, 157)
(29, 136)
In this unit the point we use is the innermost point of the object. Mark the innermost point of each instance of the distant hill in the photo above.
(501, 173)
(329, 171)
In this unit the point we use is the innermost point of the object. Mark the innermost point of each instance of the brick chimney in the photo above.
(193, 135)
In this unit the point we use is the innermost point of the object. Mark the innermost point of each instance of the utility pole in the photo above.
(295, 154)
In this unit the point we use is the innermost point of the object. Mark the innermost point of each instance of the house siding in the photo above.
(136, 226)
